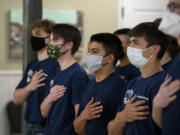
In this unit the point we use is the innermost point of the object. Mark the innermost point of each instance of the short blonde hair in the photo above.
(44, 24)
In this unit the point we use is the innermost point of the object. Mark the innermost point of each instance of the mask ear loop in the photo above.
(105, 63)
(45, 40)
(148, 49)
(64, 51)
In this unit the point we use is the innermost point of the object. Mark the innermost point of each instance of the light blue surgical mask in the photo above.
(136, 57)
(94, 62)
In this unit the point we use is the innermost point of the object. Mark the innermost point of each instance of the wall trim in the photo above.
(10, 72)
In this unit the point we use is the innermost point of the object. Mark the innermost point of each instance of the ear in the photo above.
(69, 45)
(110, 58)
(156, 49)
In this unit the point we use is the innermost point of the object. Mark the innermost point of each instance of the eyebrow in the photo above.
(135, 40)
(93, 49)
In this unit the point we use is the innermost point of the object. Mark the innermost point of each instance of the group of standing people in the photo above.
(138, 96)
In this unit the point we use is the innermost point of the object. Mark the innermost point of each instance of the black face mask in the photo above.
(38, 43)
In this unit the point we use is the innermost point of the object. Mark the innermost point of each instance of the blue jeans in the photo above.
(34, 129)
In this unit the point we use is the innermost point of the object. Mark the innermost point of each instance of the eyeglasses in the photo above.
(173, 6)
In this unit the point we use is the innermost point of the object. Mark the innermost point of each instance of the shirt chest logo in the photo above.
(51, 83)
(128, 95)
(143, 98)
(29, 75)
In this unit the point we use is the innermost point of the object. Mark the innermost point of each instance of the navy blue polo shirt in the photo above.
(173, 67)
(167, 66)
(171, 114)
(128, 72)
(32, 110)
(144, 89)
(171, 118)
(109, 92)
(62, 113)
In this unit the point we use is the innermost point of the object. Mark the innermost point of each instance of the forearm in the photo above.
(157, 115)
(80, 125)
(46, 106)
(116, 126)
(21, 95)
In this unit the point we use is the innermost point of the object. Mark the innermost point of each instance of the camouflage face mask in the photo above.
(53, 51)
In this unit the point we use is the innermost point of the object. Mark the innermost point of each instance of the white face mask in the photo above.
(136, 58)
(94, 62)
(170, 24)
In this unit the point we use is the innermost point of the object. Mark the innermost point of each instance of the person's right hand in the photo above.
(36, 81)
(56, 92)
(92, 110)
(134, 111)
(167, 93)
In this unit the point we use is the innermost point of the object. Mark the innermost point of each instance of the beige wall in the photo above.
(99, 16)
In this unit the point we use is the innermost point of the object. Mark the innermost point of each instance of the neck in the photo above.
(104, 72)
(42, 54)
(151, 68)
(66, 61)
(165, 59)
(124, 61)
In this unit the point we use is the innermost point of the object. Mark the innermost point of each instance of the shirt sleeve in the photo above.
(23, 81)
(81, 108)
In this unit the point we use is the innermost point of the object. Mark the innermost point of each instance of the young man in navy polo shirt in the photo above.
(62, 102)
(125, 69)
(35, 82)
(168, 99)
(102, 95)
(147, 46)
(166, 103)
